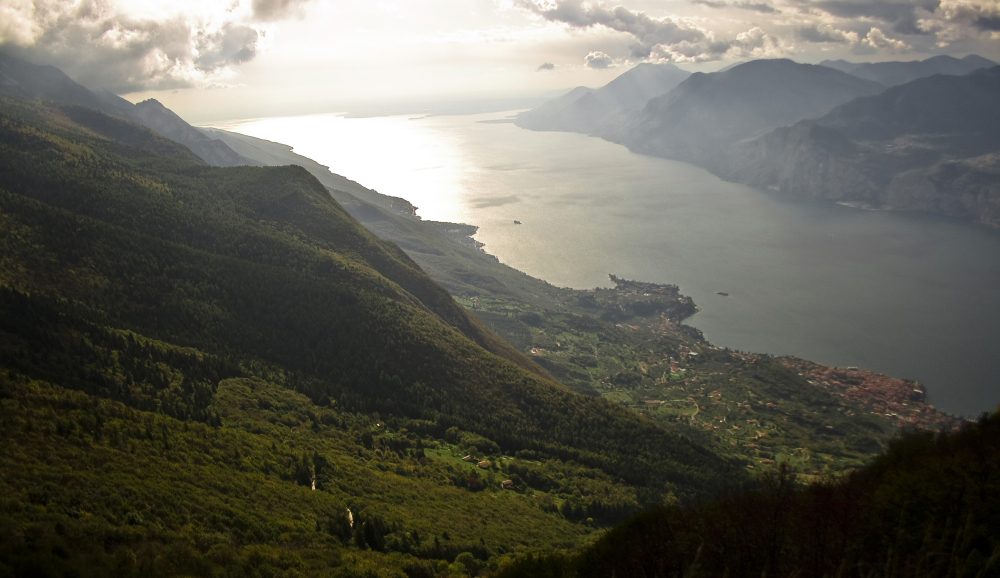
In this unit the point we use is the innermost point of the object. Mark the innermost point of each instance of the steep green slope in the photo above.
(460, 268)
(183, 347)
(218, 223)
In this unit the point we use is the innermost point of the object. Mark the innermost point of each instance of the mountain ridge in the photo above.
(771, 123)
(896, 73)
(24, 79)
(588, 110)
(928, 145)
(709, 111)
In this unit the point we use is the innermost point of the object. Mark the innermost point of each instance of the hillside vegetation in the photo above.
(185, 349)
(928, 507)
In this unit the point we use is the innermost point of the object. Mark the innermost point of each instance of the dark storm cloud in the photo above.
(991, 23)
(903, 16)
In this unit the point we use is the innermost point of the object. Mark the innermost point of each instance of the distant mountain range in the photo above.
(709, 111)
(587, 110)
(834, 131)
(894, 73)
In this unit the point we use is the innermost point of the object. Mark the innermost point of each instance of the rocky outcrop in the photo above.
(814, 161)
(967, 189)
(931, 145)
(804, 159)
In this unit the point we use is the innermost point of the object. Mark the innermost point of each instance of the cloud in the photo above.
(272, 10)
(902, 15)
(879, 41)
(667, 38)
(545, 66)
(755, 6)
(108, 45)
(964, 20)
(598, 60)
(824, 33)
(755, 43)
(649, 32)
(925, 25)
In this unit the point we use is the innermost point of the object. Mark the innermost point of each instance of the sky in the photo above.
(212, 60)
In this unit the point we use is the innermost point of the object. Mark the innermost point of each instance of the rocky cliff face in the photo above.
(930, 145)
(818, 162)
(968, 189)
(803, 159)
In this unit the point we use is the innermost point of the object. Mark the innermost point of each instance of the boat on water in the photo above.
(723, 293)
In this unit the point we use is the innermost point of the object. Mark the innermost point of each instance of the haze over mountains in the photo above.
(927, 143)
(893, 73)
(587, 110)
(217, 370)
(709, 111)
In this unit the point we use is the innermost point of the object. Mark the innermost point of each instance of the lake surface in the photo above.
(905, 294)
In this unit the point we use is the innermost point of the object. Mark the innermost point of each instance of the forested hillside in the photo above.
(928, 507)
(185, 349)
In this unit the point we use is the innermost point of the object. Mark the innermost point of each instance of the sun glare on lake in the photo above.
(397, 155)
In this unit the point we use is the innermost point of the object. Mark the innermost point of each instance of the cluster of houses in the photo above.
(485, 465)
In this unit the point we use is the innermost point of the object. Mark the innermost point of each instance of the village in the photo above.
(628, 344)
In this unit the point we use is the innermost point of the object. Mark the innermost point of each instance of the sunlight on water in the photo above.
(399, 155)
(907, 294)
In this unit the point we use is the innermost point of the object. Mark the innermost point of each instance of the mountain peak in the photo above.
(586, 110)
(151, 102)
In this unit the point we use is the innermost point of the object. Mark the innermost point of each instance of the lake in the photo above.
(906, 294)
